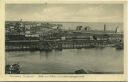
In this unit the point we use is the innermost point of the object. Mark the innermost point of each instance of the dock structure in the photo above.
(21, 45)
(51, 44)
(44, 37)
(61, 41)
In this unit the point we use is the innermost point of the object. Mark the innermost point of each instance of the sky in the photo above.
(65, 12)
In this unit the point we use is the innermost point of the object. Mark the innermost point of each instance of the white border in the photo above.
(60, 77)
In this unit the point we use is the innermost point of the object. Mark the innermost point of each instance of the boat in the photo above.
(100, 47)
(119, 46)
(79, 47)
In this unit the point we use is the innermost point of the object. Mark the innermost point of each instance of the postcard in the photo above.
(63, 40)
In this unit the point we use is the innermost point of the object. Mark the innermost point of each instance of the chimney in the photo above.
(104, 27)
(116, 29)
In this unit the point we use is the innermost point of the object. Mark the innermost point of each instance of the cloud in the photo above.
(76, 12)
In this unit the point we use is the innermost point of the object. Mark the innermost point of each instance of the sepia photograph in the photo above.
(64, 38)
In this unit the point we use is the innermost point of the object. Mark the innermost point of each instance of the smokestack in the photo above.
(104, 27)
(116, 29)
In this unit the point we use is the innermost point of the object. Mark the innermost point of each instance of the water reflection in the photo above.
(68, 60)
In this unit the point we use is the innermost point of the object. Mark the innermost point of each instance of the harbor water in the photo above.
(66, 61)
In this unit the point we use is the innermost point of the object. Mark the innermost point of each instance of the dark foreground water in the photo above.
(107, 60)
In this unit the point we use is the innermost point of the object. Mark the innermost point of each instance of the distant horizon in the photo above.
(62, 21)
